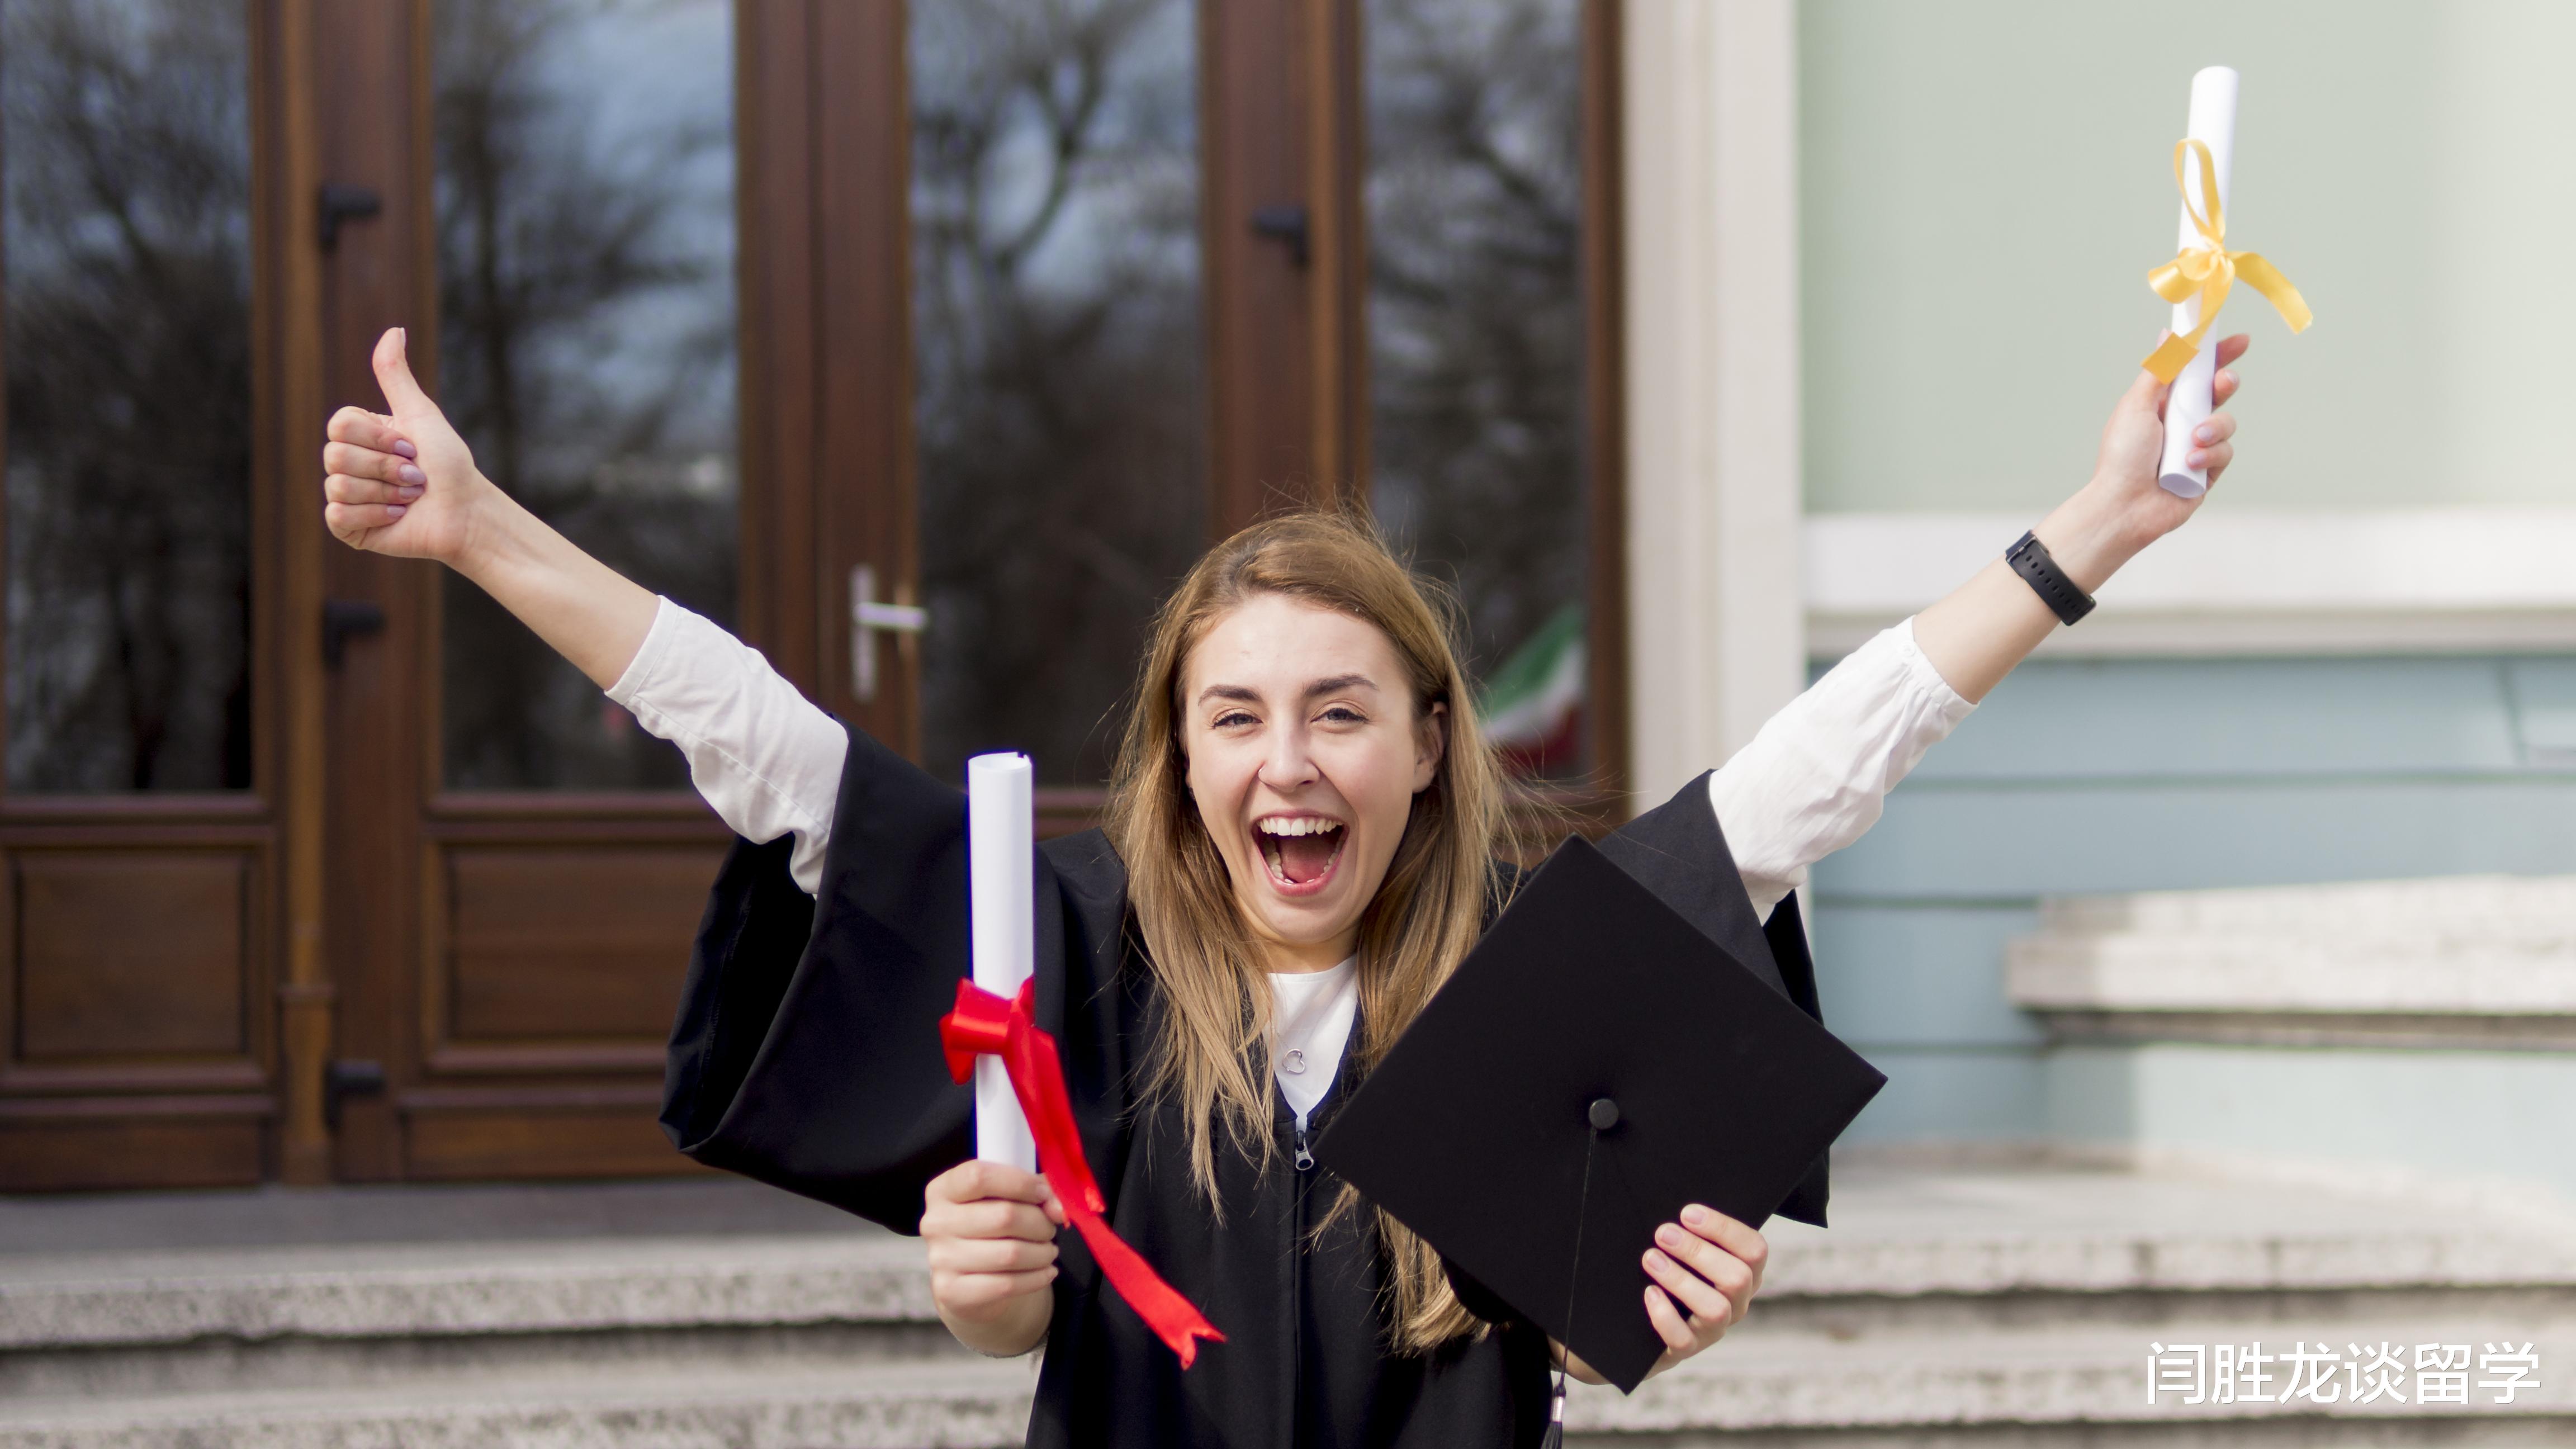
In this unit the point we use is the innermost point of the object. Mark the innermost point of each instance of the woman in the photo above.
(1298, 850)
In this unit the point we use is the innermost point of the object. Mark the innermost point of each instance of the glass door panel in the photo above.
(126, 249)
(587, 343)
(137, 1041)
(1057, 362)
(1476, 332)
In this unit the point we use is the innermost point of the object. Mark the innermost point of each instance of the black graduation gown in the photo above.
(806, 1054)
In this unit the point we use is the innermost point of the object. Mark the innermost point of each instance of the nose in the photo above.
(1287, 765)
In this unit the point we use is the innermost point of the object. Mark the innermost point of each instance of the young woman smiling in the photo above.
(1299, 848)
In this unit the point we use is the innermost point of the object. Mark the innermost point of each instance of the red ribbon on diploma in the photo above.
(986, 1025)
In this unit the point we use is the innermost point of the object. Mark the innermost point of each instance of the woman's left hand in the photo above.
(2124, 508)
(1706, 1268)
(1985, 627)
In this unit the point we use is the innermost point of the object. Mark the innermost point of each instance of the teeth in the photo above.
(1296, 825)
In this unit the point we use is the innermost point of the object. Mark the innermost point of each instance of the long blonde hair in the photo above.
(1425, 916)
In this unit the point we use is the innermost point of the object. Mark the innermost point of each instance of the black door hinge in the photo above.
(340, 202)
(1284, 224)
(342, 618)
(347, 1078)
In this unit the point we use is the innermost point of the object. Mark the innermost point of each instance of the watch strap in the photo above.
(2030, 559)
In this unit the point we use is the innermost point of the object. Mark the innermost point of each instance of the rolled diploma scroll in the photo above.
(2213, 123)
(1001, 880)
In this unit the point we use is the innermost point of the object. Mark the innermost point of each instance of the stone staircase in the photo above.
(2459, 962)
(2017, 1306)
(1951, 1305)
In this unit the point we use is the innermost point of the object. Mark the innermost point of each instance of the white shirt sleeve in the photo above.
(1816, 775)
(762, 754)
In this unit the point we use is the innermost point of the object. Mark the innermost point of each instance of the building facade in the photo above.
(2353, 665)
(924, 344)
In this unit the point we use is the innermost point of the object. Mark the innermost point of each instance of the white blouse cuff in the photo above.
(1924, 678)
(638, 677)
(1815, 777)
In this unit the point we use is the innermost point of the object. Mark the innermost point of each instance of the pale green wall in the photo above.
(1986, 182)
(2121, 775)
(2468, 1117)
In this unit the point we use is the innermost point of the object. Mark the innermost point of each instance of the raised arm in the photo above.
(1815, 777)
(1991, 623)
(404, 484)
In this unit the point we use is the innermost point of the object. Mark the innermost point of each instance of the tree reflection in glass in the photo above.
(1057, 355)
(126, 248)
(586, 344)
(1476, 330)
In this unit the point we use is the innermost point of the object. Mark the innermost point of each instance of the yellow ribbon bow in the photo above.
(2212, 269)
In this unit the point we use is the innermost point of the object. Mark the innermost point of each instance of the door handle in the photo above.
(870, 617)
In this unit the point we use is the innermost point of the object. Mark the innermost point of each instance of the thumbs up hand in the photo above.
(403, 483)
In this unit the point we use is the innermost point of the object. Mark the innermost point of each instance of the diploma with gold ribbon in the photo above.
(2197, 280)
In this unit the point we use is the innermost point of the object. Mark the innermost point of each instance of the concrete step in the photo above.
(2538, 912)
(1951, 1389)
(793, 1404)
(127, 1321)
(1900, 1233)
(1907, 1229)
(297, 1362)
(2018, 1305)
(102, 1299)
(1954, 1305)
(1962, 1386)
(2465, 946)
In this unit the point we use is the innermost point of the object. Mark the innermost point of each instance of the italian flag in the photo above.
(1533, 703)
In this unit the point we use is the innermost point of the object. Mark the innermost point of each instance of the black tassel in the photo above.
(1554, 1438)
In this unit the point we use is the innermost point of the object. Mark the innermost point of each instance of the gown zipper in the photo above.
(1293, 1247)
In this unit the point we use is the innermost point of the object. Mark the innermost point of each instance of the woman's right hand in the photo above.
(402, 483)
(990, 1230)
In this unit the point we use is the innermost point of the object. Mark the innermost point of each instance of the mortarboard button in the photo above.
(1604, 1114)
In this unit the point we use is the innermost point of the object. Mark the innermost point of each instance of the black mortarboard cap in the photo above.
(1596, 1063)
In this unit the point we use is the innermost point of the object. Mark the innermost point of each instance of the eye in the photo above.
(1230, 719)
(1344, 714)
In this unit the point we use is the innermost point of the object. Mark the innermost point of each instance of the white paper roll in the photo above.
(2213, 123)
(1001, 882)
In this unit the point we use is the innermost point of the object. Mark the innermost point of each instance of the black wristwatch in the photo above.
(2029, 558)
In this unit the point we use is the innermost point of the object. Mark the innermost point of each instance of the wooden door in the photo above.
(1030, 304)
(146, 789)
(923, 344)
(609, 231)
(1131, 329)
(1089, 413)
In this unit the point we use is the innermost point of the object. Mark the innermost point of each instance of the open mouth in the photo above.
(1299, 849)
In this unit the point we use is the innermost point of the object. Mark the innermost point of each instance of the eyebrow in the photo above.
(1338, 683)
(1244, 695)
